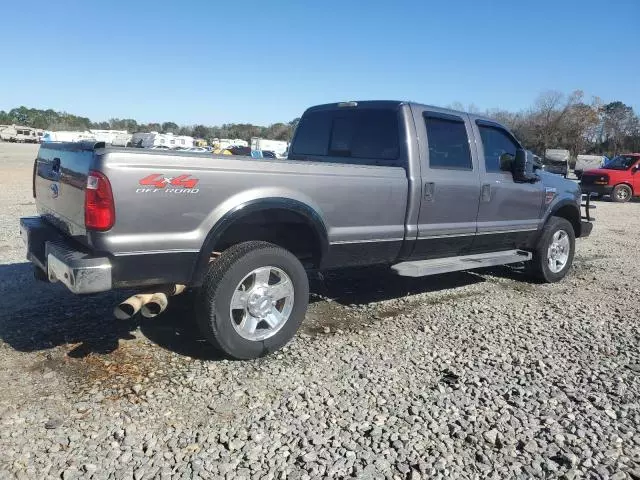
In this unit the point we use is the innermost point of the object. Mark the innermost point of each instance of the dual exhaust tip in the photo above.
(149, 304)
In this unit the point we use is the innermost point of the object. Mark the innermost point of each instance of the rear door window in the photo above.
(349, 136)
(448, 142)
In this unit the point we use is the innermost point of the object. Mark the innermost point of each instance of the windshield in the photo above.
(621, 162)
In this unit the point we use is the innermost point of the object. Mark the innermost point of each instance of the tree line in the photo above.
(56, 121)
(555, 120)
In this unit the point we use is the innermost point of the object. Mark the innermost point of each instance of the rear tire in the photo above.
(262, 319)
(553, 255)
(621, 193)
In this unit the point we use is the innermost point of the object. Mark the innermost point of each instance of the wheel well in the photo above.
(288, 229)
(572, 214)
(626, 184)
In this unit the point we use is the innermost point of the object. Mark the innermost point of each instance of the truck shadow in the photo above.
(375, 284)
(37, 317)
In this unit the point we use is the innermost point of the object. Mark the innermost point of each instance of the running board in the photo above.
(423, 268)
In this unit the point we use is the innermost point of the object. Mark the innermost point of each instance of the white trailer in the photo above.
(66, 136)
(108, 136)
(155, 139)
(587, 162)
(16, 133)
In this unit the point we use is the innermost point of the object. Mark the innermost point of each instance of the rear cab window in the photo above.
(368, 136)
(448, 142)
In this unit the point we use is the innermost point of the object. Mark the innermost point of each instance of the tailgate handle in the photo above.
(55, 169)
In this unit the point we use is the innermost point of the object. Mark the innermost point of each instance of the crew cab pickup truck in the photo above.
(619, 178)
(421, 189)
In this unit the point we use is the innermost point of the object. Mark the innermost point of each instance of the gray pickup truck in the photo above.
(421, 189)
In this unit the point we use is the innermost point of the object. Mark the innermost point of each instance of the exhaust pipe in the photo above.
(131, 306)
(159, 301)
(148, 304)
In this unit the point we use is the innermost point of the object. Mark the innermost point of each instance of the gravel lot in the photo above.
(469, 375)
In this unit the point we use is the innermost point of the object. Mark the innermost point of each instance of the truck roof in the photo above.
(391, 104)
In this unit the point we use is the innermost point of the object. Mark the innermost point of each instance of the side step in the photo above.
(423, 268)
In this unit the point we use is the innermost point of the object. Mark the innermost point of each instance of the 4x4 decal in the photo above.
(158, 182)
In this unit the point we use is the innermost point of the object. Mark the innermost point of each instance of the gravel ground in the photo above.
(469, 375)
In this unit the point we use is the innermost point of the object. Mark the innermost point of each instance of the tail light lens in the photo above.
(99, 209)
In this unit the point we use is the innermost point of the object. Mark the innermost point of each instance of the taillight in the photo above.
(99, 209)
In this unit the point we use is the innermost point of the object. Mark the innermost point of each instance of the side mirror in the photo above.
(506, 162)
(523, 167)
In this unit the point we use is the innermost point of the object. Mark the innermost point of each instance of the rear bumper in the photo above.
(61, 261)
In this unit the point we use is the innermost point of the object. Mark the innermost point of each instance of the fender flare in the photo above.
(313, 219)
(561, 204)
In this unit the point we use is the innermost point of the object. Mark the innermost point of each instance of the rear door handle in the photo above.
(429, 191)
(485, 194)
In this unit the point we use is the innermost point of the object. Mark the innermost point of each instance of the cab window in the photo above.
(495, 142)
(448, 142)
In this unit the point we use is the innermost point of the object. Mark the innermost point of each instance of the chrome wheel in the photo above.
(558, 251)
(261, 303)
(622, 194)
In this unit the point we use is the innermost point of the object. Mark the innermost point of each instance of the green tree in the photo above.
(169, 127)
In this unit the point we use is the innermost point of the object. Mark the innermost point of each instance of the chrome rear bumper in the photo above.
(62, 261)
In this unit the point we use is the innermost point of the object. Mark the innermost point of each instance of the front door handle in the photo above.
(485, 194)
(429, 191)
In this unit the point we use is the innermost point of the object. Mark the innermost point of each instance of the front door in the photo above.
(450, 184)
(509, 213)
(635, 175)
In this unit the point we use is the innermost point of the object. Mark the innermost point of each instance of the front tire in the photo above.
(553, 255)
(621, 193)
(253, 299)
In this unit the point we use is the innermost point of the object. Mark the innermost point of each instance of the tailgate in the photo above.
(61, 172)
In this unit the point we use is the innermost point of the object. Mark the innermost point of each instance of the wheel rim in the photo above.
(261, 303)
(622, 194)
(558, 252)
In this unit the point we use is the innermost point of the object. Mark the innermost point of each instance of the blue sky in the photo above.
(261, 62)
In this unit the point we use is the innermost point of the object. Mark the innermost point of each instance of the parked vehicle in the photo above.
(587, 162)
(619, 178)
(224, 143)
(17, 134)
(557, 161)
(279, 147)
(366, 183)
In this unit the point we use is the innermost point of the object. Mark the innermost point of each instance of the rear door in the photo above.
(509, 212)
(450, 184)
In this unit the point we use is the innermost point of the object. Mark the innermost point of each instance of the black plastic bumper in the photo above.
(597, 189)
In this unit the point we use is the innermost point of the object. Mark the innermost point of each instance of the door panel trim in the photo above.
(373, 240)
